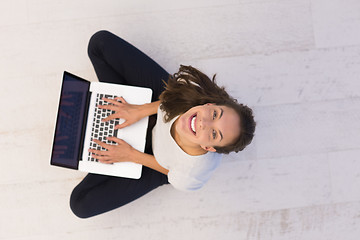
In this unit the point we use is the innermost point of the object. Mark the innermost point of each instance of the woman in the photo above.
(192, 121)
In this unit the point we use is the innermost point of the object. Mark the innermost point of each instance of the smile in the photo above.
(192, 124)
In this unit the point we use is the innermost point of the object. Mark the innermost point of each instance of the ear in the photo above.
(208, 149)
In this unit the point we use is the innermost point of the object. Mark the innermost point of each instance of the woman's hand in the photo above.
(115, 153)
(129, 112)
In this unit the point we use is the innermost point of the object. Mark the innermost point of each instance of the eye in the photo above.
(214, 115)
(214, 134)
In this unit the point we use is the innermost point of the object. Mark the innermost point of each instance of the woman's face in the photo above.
(207, 126)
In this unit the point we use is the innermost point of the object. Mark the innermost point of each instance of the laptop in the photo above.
(79, 122)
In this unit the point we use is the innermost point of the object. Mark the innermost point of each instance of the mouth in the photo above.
(192, 124)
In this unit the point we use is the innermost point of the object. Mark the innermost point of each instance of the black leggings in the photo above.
(117, 61)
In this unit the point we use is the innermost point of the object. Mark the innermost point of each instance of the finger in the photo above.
(110, 117)
(108, 107)
(124, 124)
(104, 145)
(111, 101)
(115, 139)
(106, 161)
(103, 159)
(98, 152)
(121, 99)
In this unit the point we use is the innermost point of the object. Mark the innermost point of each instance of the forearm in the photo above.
(149, 109)
(147, 160)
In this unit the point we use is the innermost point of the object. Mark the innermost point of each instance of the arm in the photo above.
(149, 109)
(147, 160)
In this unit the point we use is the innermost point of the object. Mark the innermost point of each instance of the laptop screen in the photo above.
(70, 121)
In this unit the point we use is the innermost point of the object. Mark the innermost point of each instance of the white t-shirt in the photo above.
(186, 172)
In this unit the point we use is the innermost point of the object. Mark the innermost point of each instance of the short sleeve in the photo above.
(184, 182)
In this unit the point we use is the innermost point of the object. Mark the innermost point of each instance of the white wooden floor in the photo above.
(297, 63)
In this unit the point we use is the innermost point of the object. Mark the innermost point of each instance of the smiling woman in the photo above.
(192, 121)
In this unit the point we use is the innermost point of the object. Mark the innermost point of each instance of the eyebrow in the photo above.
(221, 113)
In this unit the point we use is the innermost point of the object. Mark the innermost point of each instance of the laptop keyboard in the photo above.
(102, 130)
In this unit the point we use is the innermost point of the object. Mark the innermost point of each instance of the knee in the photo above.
(97, 40)
(77, 207)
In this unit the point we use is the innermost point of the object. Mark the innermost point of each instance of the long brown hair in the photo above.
(189, 88)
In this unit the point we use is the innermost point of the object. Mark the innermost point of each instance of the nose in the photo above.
(205, 123)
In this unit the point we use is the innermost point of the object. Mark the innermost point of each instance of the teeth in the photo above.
(193, 124)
